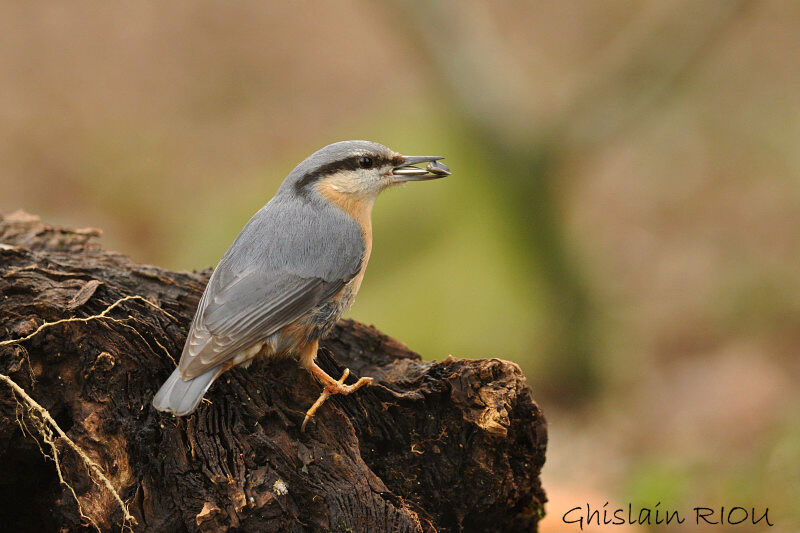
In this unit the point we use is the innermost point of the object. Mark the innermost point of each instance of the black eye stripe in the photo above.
(350, 163)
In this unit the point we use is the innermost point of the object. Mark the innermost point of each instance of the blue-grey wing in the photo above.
(287, 260)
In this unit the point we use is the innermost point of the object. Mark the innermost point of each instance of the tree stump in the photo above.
(456, 445)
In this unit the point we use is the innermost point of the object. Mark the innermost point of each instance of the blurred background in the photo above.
(623, 218)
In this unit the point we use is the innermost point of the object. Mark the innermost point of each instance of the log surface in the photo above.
(456, 445)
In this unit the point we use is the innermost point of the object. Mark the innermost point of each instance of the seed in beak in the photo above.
(435, 167)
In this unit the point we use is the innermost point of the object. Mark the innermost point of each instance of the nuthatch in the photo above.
(292, 271)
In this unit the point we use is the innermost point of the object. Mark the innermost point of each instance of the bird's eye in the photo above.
(365, 162)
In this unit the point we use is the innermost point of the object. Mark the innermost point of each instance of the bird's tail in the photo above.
(181, 397)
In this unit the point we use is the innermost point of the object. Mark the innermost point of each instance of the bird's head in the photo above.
(357, 171)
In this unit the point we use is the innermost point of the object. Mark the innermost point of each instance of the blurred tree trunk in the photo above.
(89, 336)
(476, 72)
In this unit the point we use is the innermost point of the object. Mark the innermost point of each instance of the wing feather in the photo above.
(259, 287)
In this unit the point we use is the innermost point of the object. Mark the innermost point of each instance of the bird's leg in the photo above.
(332, 386)
(322, 397)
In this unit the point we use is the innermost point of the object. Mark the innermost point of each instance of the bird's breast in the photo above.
(359, 208)
(355, 283)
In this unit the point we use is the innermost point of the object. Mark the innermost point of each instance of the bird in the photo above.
(292, 271)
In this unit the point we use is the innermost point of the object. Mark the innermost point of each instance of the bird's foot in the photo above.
(333, 387)
(338, 387)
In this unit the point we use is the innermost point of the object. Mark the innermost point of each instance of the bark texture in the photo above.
(456, 445)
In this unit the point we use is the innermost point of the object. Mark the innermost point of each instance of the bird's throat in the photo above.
(357, 206)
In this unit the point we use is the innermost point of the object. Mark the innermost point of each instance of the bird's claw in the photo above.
(336, 387)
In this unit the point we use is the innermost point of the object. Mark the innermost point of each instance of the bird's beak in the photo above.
(406, 171)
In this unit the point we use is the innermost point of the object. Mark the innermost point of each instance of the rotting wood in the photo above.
(448, 446)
